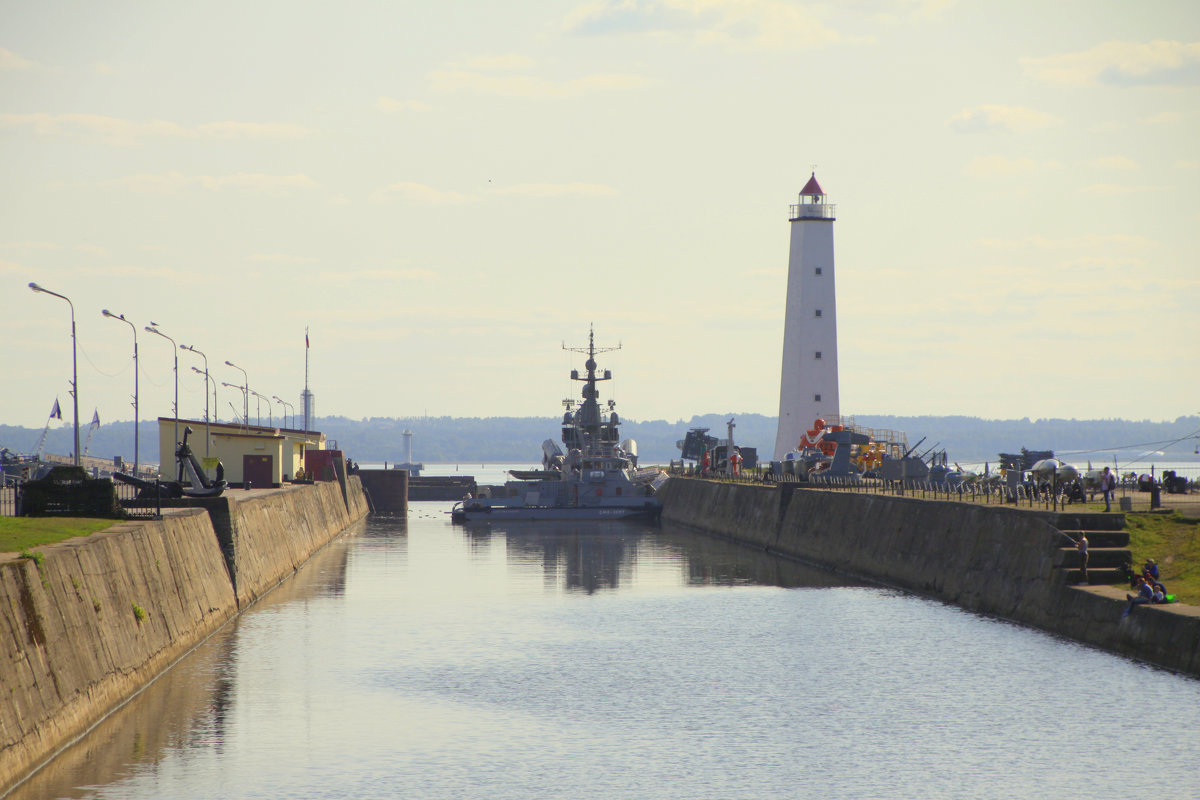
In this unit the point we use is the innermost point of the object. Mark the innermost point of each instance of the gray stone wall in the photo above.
(996, 560)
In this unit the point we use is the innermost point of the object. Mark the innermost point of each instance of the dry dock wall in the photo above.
(996, 560)
(101, 616)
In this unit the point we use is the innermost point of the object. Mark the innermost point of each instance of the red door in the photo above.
(258, 471)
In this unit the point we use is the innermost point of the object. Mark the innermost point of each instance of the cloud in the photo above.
(170, 182)
(252, 130)
(94, 249)
(389, 106)
(419, 194)
(280, 258)
(555, 190)
(1073, 242)
(506, 61)
(737, 24)
(1156, 63)
(1001, 167)
(1165, 118)
(530, 86)
(1114, 162)
(396, 275)
(1109, 189)
(1193, 164)
(160, 275)
(117, 131)
(11, 62)
(1013, 119)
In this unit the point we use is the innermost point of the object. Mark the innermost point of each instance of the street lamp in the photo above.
(216, 405)
(270, 418)
(245, 396)
(153, 328)
(245, 400)
(207, 437)
(286, 406)
(74, 370)
(132, 327)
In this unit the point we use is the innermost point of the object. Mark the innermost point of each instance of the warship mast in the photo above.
(588, 428)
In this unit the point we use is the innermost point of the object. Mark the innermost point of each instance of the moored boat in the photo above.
(597, 477)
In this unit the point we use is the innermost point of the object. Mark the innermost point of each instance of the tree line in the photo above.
(518, 440)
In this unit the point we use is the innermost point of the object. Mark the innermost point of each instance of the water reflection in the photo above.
(422, 659)
(582, 557)
(189, 709)
(592, 556)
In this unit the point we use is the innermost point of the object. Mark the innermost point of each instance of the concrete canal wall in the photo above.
(996, 560)
(101, 616)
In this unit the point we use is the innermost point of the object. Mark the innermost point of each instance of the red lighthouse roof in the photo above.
(812, 187)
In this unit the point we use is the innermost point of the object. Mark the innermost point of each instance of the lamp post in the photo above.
(270, 417)
(245, 400)
(207, 437)
(216, 405)
(245, 396)
(132, 327)
(286, 406)
(153, 328)
(74, 370)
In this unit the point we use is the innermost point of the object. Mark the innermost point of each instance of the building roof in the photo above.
(812, 187)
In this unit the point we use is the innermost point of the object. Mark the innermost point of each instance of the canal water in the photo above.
(416, 659)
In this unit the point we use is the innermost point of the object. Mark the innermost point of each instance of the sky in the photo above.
(443, 195)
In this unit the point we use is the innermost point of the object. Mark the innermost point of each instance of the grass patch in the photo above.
(22, 533)
(37, 557)
(1172, 540)
(139, 613)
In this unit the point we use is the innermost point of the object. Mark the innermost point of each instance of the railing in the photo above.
(133, 506)
(10, 497)
(1027, 495)
(812, 211)
(137, 507)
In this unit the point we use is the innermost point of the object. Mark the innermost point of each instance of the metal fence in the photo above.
(9, 499)
(1023, 495)
(133, 506)
(138, 506)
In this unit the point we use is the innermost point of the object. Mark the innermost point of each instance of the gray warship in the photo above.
(596, 478)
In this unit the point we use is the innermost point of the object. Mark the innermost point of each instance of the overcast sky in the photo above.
(445, 192)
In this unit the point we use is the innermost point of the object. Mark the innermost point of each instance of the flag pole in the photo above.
(55, 413)
(307, 398)
(96, 424)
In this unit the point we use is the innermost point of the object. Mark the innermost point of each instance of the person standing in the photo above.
(1082, 546)
(1108, 482)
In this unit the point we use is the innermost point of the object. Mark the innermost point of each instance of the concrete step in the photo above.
(1065, 520)
(1098, 557)
(1096, 577)
(1102, 538)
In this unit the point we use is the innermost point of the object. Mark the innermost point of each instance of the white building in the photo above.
(808, 387)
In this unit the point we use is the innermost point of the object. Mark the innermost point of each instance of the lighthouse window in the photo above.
(818, 270)
(818, 312)
(817, 354)
(816, 398)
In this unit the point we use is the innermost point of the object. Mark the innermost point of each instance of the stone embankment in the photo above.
(93, 620)
(1002, 561)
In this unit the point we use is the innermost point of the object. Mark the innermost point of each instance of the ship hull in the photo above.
(480, 512)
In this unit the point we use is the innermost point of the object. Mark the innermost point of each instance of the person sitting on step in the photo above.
(1145, 595)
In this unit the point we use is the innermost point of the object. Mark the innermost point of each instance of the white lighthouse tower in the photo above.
(808, 387)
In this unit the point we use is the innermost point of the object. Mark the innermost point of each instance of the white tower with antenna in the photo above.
(808, 387)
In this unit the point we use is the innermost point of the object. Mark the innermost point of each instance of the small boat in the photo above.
(597, 477)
